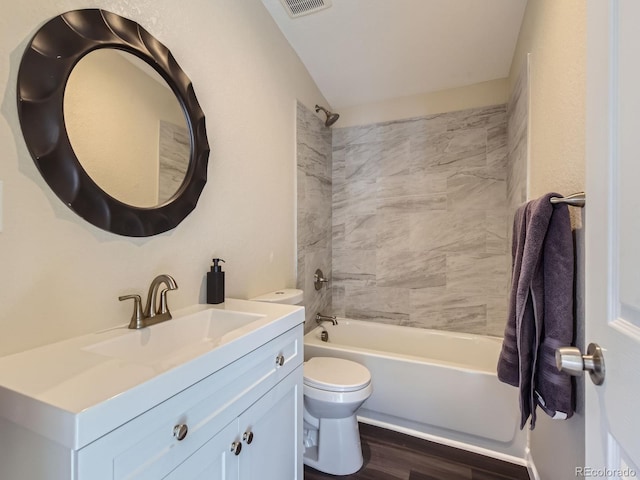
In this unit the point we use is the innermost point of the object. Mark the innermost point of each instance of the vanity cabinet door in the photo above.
(215, 460)
(264, 443)
(271, 432)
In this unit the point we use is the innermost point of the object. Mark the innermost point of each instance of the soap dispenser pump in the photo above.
(215, 283)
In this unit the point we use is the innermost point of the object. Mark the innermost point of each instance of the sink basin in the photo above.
(179, 339)
(75, 391)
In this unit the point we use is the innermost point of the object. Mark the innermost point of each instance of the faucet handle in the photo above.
(136, 318)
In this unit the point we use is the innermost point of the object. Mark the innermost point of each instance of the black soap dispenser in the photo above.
(215, 283)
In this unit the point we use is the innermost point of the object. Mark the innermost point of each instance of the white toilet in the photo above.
(334, 389)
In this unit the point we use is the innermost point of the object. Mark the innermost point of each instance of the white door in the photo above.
(612, 229)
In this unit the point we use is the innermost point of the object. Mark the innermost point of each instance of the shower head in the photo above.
(331, 117)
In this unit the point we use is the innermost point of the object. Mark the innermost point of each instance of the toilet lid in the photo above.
(335, 374)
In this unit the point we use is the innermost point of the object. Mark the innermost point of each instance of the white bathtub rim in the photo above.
(524, 462)
(399, 356)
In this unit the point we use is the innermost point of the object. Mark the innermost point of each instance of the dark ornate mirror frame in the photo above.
(46, 64)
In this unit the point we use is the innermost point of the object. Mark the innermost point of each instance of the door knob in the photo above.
(571, 361)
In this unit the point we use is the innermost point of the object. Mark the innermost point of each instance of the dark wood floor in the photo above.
(391, 455)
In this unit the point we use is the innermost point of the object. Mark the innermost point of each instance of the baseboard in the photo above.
(450, 443)
(531, 466)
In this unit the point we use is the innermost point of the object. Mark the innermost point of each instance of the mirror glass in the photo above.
(126, 128)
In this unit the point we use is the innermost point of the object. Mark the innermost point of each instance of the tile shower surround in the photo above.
(419, 221)
(420, 216)
(313, 210)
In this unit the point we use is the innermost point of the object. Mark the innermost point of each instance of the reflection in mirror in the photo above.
(127, 128)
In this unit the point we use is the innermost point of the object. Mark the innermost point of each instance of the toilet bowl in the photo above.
(333, 389)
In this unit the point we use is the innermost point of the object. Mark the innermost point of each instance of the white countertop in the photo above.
(72, 395)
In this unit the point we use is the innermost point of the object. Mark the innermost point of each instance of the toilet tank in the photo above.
(288, 296)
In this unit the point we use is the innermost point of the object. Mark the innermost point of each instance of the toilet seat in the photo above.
(335, 374)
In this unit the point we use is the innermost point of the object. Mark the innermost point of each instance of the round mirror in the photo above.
(112, 123)
(127, 128)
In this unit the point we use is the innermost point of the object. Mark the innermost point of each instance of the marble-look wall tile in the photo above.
(476, 189)
(516, 168)
(497, 311)
(393, 231)
(419, 214)
(483, 274)
(497, 222)
(339, 203)
(517, 140)
(449, 151)
(316, 197)
(337, 299)
(416, 225)
(369, 302)
(393, 304)
(497, 149)
(410, 269)
(411, 184)
(360, 196)
(395, 158)
(354, 264)
(360, 232)
(445, 310)
(449, 231)
(174, 150)
(412, 203)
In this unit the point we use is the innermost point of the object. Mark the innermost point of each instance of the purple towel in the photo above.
(540, 309)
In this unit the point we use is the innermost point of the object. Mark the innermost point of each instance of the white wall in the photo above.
(555, 34)
(493, 92)
(60, 275)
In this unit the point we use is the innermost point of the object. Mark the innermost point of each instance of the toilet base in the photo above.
(339, 451)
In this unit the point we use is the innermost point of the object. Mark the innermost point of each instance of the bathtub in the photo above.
(436, 385)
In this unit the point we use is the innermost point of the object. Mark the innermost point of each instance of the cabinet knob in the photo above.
(248, 437)
(180, 431)
(236, 448)
(280, 360)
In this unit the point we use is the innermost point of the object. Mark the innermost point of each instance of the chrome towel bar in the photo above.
(575, 200)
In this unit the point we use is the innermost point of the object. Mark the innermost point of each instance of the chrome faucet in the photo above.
(152, 313)
(326, 318)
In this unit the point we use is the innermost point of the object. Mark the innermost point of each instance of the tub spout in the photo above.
(326, 318)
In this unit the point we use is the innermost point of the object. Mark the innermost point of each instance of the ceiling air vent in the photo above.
(298, 8)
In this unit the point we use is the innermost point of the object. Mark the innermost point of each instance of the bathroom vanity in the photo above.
(216, 392)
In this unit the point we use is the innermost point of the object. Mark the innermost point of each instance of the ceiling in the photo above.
(363, 51)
